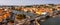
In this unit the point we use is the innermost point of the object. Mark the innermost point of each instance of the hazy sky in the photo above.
(28, 2)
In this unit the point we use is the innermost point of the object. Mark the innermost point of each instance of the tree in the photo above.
(21, 16)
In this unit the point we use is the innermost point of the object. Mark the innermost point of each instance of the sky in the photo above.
(28, 2)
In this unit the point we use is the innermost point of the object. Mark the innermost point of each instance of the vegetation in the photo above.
(20, 16)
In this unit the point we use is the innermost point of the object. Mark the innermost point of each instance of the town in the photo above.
(28, 15)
